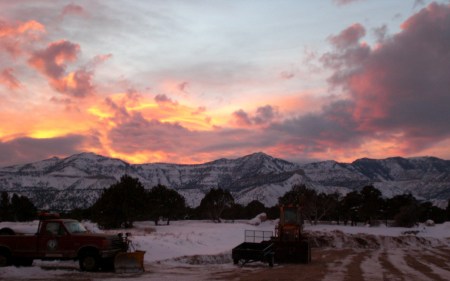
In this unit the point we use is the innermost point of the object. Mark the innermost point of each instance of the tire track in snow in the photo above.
(372, 267)
(427, 265)
(337, 270)
(397, 258)
(392, 272)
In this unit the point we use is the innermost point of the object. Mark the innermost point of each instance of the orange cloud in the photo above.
(14, 36)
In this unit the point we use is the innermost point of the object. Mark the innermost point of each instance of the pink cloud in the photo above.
(14, 35)
(401, 87)
(349, 37)
(52, 62)
(263, 116)
(344, 2)
(73, 9)
(8, 79)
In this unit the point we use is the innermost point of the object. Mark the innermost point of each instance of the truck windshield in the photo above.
(75, 227)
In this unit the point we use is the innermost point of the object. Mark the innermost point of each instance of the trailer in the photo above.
(257, 247)
(288, 245)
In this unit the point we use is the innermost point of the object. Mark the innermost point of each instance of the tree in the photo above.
(5, 208)
(165, 202)
(396, 203)
(121, 204)
(22, 208)
(372, 203)
(215, 202)
(254, 208)
(350, 205)
(314, 206)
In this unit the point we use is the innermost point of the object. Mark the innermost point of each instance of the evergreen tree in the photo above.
(350, 205)
(314, 206)
(121, 204)
(165, 202)
(5, 207)
(372, 203)
(22, 208)
(254, 208)
(215, 202)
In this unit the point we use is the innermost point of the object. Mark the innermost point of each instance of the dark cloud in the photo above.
(333, 128)
(401, 87)
(242, 118)
(73, 9)
(52, 62)
(138, 134)
(26, 150)
(264, 115)
(161, 98)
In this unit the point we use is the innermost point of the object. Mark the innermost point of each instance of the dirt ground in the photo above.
(327, 265)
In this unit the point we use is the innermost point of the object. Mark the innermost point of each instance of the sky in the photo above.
(194, 81)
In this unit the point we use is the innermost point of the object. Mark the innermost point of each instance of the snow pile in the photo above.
(258, 219)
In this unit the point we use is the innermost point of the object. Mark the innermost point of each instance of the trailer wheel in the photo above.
(5, 258)
(271, 260)
(89, 261)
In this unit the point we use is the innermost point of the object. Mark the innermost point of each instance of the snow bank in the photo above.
(197, 243)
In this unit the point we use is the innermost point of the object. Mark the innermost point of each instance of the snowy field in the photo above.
(201, 250)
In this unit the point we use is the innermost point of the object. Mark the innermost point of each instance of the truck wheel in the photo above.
(5, 258)
(89, 262)
(7, 231)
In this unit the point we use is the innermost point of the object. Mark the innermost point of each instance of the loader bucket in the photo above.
(129, 262)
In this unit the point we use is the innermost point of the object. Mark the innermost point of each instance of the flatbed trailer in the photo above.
(255, 248)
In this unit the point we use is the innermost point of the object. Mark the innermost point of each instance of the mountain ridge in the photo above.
(78, 180)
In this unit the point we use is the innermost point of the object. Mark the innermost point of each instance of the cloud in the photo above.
(264, 115)
(161, 98)
(344, 2)
(73, 9)
(8, 79)
(400, 88)
(52, 62)
(25, 150)
(14, 35)
(349, 37)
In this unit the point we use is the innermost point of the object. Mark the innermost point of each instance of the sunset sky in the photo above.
(193, 81)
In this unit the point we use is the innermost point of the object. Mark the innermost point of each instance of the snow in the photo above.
(204, 244)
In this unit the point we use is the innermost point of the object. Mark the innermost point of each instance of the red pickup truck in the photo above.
(62, 239)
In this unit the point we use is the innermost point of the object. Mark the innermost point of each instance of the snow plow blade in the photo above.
(129, 262)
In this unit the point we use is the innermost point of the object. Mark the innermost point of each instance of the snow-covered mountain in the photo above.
(77, 181)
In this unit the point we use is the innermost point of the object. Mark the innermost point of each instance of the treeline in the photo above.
(365, 206)
(125, 202)
(16, 208)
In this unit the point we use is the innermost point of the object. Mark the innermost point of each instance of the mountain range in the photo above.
(77, 181)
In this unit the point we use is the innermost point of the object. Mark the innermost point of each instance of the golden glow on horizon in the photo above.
(45, 134)
(99, 113)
